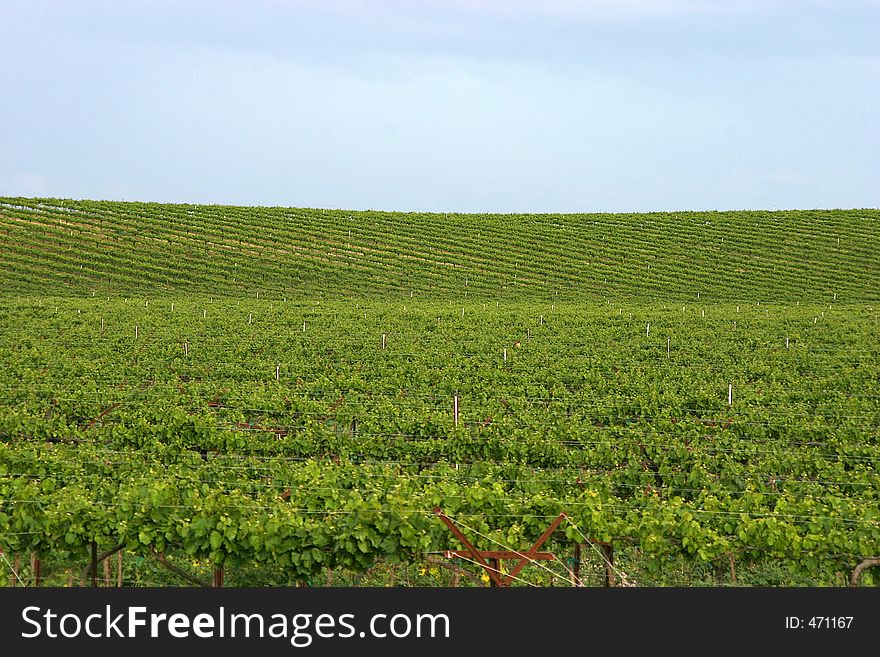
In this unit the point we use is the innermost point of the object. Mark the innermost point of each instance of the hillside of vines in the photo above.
(68, 247)
(285, 396)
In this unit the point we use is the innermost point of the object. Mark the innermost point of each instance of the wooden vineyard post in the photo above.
(576, 566)
(119, 569)
(218, 578)
(608, 555)
(36, 568)
(93, 565)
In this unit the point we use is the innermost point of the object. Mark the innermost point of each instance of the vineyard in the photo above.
(277, 396)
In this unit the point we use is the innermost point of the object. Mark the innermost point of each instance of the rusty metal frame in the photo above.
(495, 556)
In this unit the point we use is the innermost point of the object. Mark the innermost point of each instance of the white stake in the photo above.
(278, 372)
(102, 325)
(542, 320)
(172, 307)
(668, 341)
(204, 312)
(648, 330)
(186, 349)
(786, 343)
(505, 355)
(455, 409)
(383, 340)
(250, 318)
(729, 394)
(703, 312)
(135, 330)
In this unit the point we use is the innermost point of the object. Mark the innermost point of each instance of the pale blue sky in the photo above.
(556, 106)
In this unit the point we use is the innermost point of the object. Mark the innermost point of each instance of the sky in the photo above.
(479, 106)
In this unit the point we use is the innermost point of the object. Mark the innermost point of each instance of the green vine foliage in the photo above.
(151, 400)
